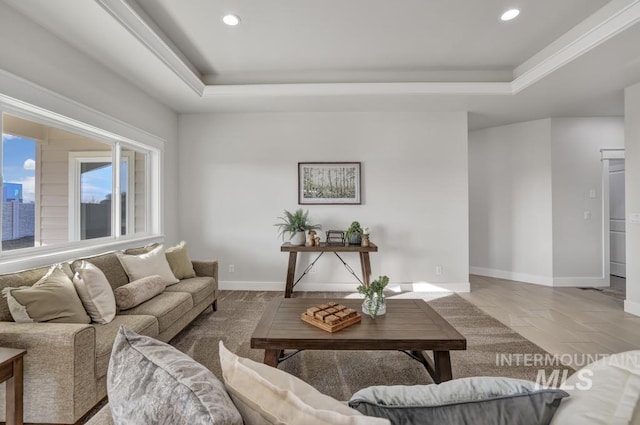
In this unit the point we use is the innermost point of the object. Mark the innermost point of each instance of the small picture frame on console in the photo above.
(329, 183)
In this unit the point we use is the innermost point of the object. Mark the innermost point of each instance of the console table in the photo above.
(293, 251)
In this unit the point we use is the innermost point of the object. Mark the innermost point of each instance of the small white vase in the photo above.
(298, 238)
(374, 306)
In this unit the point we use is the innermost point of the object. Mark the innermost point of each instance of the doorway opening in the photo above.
(614, 236)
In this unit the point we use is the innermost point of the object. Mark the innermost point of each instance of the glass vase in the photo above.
(374, 306)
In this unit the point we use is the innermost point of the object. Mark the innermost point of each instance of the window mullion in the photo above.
(116, 198)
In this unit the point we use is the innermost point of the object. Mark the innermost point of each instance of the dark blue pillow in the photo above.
(467, 401)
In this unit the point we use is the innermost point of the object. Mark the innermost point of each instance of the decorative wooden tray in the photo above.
(331, 316)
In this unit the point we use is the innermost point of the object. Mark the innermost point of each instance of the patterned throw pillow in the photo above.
(150, 382)
(135, 293)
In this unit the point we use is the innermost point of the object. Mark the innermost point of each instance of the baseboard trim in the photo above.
(515, 276)
(236, 285)
(583, 282)
(632, 307)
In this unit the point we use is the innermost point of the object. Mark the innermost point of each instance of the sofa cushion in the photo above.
(24, 278)
(106, 334)
(167, 307)
(199, 288)
(111, 267)
(94, 291)
(151, 263)
(604, 392)
(465, 401)
(51, 299)
(179, 261)
(150, 382)
(140, 290)
(265, 395)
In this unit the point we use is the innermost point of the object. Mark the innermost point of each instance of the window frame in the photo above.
(76, 159)
(145, 143)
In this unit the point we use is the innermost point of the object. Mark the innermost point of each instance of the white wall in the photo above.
(576, 170)
(510, 202)
(529, 188)
(632, 180)
(239, 171)
(37, 56)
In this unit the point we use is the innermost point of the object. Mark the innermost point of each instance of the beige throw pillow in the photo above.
(135, 293)
(51, 299)
(94, 291)
(266, 395)
(151, 263)
(179, 261)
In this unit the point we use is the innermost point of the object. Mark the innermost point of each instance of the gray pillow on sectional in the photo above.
(473, 401)
(150, 382)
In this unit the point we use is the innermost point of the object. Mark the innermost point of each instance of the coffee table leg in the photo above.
(291, 272)
(439, 369)
(271, 357)
(14, 384)
(442, 361)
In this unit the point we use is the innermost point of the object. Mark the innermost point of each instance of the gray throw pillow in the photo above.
(150, 382)
(472, 401)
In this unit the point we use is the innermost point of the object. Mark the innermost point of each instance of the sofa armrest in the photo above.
(59, 369)
(206, 269)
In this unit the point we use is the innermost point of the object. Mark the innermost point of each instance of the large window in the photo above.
(62, 186)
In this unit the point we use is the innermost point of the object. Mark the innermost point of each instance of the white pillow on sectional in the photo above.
(95, 292)
(606, 392)
(150, 263)
(266, 395)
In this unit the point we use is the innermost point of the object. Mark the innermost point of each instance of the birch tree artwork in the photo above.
(329, 183)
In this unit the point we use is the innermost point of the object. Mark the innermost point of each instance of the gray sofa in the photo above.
(66, 364)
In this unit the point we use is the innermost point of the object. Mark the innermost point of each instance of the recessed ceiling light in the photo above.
(231, 20)
(510, 14)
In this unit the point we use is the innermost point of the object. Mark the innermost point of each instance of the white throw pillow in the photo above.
(150, 263)
(94, 291)
(605, 392)
(266, 395)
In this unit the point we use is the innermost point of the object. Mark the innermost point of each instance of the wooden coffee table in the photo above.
(411, 326)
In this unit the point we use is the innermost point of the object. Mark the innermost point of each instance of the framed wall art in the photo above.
(328, 183)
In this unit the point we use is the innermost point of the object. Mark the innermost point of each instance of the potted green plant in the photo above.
(353, 234)
(374, 301)
(296, 224)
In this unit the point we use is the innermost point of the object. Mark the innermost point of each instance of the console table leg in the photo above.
(291, 271)
(272, 357)
(366, 268)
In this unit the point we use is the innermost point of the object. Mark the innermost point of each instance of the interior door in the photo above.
(617, 218)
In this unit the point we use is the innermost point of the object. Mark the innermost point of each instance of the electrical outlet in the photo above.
(232, 268)
(438, 270)
(313, 270)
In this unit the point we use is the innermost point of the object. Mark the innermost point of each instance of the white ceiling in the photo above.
(558, 58)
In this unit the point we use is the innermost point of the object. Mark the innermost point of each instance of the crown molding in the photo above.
(609, 21)
(141, 26)
(611, 26)
(345, 89)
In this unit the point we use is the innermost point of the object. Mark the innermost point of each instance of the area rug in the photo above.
(492, 348)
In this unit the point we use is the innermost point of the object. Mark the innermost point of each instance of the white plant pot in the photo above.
(298, 238)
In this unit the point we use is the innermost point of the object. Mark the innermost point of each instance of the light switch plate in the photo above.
(587, 215)
(592, 194)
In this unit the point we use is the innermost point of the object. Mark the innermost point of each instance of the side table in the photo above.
(11, 373)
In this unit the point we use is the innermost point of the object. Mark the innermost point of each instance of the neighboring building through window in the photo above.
(18, 191)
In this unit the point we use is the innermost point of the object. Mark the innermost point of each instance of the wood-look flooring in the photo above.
(560, 320)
